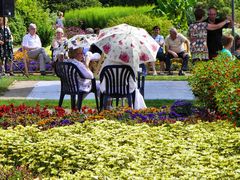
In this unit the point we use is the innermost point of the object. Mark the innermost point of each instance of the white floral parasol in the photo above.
(127, 45)
(82, 40)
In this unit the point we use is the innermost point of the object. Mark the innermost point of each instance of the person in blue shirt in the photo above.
(160, 54)
(59, 21)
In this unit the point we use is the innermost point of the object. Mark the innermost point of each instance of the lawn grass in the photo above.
(7, 80)
(67, 104)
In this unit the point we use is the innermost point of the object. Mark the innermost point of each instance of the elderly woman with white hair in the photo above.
(57, 42)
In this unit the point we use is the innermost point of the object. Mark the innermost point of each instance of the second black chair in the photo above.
(117, 80)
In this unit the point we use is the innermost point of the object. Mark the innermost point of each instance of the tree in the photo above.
(175, 10)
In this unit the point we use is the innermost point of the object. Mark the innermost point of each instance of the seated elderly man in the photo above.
(175, 48)
(32, 43)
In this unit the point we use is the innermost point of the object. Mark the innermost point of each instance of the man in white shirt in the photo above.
(175, 48)
(32, 43)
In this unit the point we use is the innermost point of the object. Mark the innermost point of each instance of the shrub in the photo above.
(17, 28)
(98, 16)
(114, 150)
(144, 21)
(216, 84)
(36, 14)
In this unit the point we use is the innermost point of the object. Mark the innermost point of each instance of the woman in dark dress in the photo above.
(6, 46)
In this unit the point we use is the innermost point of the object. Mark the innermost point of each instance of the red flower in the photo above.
(144, 57)
(106, 48)
(101, 35)
(124, 57)
(154, 47)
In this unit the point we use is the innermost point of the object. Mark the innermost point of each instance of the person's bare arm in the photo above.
(217, 26)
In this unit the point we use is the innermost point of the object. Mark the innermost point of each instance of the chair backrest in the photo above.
(69, 75)
(117, 79)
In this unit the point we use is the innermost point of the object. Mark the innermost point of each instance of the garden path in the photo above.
(51, 90)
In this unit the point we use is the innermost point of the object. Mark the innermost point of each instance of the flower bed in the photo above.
(108, 149)
(11, 116)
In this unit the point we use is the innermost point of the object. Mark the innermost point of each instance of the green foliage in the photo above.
(98, 17)
(66, 5)
(17, 28)
(126, 2)
(175, 10)
(114, 150)
(216, 84)
(36, 14)
(144, 21)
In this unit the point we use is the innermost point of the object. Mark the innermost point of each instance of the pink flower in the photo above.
(120, 42)
(124, 57)
(154, 47)
(106, 48)
(141, 42)
(101, 35)
(132, 46)
(113, 36)
(144, 57)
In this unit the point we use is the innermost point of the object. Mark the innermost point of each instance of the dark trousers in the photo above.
(180, 55)
(160, 54)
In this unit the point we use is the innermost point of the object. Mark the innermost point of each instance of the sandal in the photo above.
(11, 74)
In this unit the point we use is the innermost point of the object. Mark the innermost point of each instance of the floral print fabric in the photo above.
(198, 40)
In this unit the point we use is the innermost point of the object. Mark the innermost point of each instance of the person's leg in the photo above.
(162, 59)
(153, 66)
(47, 59)
(168, 63)
(33, 54)
(185, 58)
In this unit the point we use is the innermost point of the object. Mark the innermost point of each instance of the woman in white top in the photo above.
(57, 42)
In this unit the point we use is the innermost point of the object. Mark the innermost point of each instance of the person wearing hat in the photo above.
(32, 44)
(76, 57)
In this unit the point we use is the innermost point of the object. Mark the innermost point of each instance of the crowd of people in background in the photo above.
(204, 41)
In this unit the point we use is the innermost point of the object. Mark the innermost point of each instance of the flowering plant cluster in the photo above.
(44, 118)
(216, 84)
(72, 31)
(33, 65)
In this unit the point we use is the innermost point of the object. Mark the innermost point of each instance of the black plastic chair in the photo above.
(69, 75)
(117, 83)
(141, 78)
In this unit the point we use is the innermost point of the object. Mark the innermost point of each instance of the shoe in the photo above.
(11, 74)
(170, 73)
(181, 73)
(43, 73)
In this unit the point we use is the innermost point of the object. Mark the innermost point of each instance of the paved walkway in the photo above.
(51, 90)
